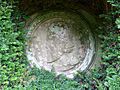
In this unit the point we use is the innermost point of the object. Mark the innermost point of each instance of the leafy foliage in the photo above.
(13, 62)
(44, 80)
(12, 58)
(110, 48)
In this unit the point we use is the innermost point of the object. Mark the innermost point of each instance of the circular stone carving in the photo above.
(60, 41)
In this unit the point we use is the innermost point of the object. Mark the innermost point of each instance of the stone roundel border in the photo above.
(40, 18)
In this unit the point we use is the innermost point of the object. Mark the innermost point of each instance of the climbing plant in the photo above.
(12, 57)
(111, 47)
(107, 77)
(14, 74)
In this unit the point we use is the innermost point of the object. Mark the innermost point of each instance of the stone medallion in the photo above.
(61, 42)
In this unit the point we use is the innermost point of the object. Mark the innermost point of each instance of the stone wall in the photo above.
(31, 6)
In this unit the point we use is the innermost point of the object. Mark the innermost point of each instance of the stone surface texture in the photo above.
(58, 44)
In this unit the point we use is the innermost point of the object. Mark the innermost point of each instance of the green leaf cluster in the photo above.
(111, 47)
(13, 62)
(12, 58)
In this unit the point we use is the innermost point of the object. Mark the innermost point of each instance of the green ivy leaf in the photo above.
(13, 78)
(0, 55)
(118, 22)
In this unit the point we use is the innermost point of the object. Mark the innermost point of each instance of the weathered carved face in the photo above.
(60, 42)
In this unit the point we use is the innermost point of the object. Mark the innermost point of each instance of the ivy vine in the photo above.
(14, 74)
